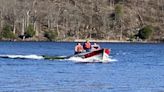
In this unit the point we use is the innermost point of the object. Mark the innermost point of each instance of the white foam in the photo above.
(23, 56)
(78, 59)
(112, 60)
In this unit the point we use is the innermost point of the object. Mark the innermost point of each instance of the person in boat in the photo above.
(78, 48)
(95, 46)
(87, 46)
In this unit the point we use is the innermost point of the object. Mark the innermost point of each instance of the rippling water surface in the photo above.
(135, 68)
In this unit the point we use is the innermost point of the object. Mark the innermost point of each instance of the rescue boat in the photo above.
(101, 55)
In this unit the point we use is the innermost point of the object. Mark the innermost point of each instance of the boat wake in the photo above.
(22, 57)
(43, 57)
(81, 60)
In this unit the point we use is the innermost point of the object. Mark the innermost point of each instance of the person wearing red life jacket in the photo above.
(78, 48)
(87, 46)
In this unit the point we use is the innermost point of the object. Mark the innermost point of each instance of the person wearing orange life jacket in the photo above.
(87, 46)
(78, 48)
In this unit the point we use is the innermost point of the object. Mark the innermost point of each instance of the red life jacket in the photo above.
(87, 45)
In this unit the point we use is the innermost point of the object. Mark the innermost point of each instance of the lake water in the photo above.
(133, 68)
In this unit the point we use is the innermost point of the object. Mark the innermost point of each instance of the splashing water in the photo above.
(79, 59)
(22, 56)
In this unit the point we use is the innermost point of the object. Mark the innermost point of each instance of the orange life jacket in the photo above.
(87, 45)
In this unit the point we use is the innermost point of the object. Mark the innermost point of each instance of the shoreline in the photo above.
(114, 41)
(81, 40)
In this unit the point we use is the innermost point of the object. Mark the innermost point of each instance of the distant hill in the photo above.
(68, 20)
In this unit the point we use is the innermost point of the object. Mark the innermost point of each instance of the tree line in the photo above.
(81, 19)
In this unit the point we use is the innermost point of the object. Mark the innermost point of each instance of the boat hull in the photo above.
(101, 55)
